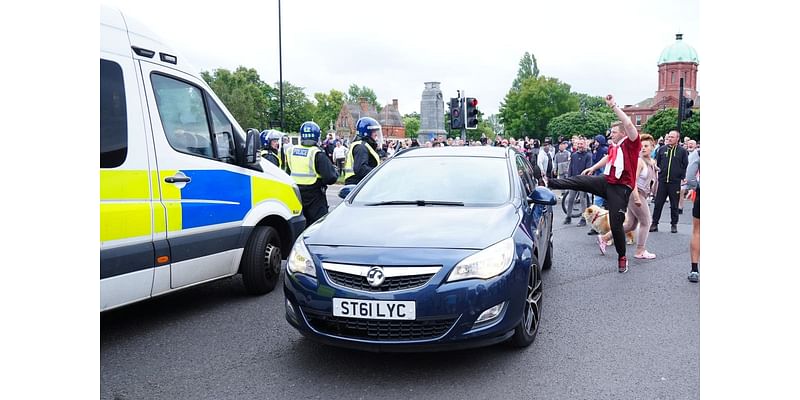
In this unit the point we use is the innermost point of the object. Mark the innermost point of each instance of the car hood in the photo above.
(452, 227)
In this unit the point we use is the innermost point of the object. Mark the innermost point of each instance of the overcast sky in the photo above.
(393, 47)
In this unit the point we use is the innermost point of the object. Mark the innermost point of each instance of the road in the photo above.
(603, 335)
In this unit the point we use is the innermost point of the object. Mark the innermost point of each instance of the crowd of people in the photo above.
(623, 170)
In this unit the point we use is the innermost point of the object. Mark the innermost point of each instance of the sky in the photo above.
(393, 47)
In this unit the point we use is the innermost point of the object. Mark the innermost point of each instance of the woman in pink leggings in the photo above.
(638, 210)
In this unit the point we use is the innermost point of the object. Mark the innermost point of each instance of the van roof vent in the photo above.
(167, 58)
(143, 52)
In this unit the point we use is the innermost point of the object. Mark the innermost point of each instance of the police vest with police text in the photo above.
(301, 162)
(348, 164)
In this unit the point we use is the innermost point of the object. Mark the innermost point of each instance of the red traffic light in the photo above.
(474, 102)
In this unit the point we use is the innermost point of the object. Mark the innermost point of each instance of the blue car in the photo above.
(436, 249)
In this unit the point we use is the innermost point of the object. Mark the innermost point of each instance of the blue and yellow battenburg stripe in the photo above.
(212, 197)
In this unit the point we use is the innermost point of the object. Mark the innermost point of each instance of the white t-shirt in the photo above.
(339, 152)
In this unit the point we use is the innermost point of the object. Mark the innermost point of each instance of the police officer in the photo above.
(313, 171)
(363, 155)
(270, 143)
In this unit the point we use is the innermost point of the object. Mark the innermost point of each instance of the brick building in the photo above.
(390, 119)
(678, 60)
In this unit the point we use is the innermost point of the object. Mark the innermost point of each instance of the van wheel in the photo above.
(261, 263)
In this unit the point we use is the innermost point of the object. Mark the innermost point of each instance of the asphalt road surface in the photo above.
(603, 335)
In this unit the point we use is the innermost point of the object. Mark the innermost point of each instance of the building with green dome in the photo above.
(678, 60)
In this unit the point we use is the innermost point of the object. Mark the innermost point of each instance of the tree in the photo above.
(243, 93)
(328, 107)
(412, 123)
(660, 123)
(527, 69)
(527, 111)
(355, 92)
(297, 107)
(495, 124)
(586, 124)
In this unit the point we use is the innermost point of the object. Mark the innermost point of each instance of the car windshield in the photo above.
(438, 181)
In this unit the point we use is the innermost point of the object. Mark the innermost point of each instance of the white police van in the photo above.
(184, 196)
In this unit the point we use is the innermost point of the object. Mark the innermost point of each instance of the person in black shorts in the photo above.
(693, 181)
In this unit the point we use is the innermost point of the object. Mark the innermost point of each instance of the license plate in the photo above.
(375, 309)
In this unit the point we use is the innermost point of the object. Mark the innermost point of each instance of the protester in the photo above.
(671, 161)
(618, 181)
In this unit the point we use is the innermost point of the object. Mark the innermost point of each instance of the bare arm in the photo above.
(600, 164)
(627, 125)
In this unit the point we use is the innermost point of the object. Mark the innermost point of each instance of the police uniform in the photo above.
(361, 159)
(313, 171)
(272, 157)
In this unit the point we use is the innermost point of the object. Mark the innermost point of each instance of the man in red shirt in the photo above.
(617, 181)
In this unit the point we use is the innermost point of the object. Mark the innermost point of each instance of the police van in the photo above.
(184, 196)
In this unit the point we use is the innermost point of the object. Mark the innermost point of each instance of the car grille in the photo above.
(393, 283)
(371, 329)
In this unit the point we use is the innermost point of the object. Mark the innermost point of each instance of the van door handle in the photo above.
(176, 179)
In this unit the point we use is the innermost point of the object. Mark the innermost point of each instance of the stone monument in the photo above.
(431, 113)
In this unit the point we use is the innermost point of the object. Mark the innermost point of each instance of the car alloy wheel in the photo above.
(533, 302)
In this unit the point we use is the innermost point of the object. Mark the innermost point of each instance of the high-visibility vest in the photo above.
(301, 162)
(264, 154)
(348, 164)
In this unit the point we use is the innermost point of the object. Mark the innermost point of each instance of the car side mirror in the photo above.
(252, 146)
(345, 190)
(542, 196)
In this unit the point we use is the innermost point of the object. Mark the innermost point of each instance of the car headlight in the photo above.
(485, 264)
(300, 261)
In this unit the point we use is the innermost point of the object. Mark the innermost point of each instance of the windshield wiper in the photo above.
(416, 202)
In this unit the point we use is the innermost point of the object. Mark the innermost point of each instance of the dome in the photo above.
(678, 52)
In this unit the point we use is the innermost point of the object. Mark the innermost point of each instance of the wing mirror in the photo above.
(542, 196)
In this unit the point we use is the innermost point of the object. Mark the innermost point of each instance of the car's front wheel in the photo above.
(531, 314)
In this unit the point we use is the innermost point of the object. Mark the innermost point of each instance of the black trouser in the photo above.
(315, 203)
(673, 190)
(616, 197)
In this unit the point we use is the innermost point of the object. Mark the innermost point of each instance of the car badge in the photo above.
(375, 276)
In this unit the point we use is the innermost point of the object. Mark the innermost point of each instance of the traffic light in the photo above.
(456, 120)
(687, 108)
(472, 113)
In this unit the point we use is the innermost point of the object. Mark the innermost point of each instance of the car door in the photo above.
(205, 193)
(537, 211)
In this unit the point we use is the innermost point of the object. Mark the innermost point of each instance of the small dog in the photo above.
(598, 219)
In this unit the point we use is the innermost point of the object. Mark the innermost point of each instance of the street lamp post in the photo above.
(280, 64)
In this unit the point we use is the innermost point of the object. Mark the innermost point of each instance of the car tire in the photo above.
(528, 327)
(261, 262)
(548, 259)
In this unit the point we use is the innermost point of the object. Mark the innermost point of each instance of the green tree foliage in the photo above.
(412, 124)
(577, 123)
(495, 124)
(527, 111)
(297, 107)
(328, 107)
(355, 92)
(243, 94)
(660, 123)
(527, 69)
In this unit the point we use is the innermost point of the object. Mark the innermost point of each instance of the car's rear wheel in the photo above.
(261, 262)
(526, 331)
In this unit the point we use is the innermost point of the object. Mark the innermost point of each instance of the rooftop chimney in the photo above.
(362, 101)
(394, 104)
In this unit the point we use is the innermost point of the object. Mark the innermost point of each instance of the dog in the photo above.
(598, 219)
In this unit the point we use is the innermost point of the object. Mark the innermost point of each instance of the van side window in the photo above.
(223, 133)
(183, 115)
(113, 116)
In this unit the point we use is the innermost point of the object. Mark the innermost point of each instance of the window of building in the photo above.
(638, 120)
(113, 116)
(672, 79)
